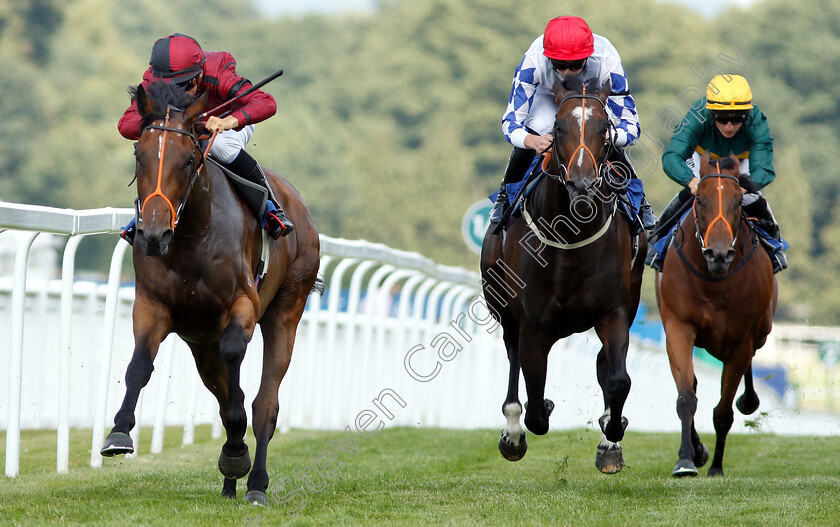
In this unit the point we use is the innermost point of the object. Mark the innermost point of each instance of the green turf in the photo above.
(407, 476)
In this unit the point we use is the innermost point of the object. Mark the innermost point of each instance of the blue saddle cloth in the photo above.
(772, 244)
(629, 202)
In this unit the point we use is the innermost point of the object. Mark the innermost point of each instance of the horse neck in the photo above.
(553, 203)
(195, 219)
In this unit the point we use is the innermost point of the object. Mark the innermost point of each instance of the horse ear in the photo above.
(195, 109)
(734, 158)
(559, 90)
(145, 106)
(704, 158)
(605, 91)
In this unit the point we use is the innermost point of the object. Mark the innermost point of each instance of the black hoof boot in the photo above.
(235, 467)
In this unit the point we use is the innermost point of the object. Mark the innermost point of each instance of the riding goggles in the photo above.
(734, 117)
(563, 65)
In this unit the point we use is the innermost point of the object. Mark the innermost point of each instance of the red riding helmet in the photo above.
(176, 58)
(568, 38)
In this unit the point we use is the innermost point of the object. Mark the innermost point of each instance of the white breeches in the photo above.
(229, 143)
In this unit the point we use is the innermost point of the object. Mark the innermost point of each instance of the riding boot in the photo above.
(764, 220)
(623, 168)
(129, 231)
(518, 163)
(670, 215)
(276, 222)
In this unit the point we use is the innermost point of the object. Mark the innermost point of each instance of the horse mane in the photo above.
(162, 95)
(575, 82)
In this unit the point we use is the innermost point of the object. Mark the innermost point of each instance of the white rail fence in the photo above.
(395, 337)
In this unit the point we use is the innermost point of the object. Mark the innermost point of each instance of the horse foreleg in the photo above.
(234, 461)
(612, 375)
(279, 327)
(679, 345)
(723, 416)
(512, 443)
(151, 325)
(533, 354)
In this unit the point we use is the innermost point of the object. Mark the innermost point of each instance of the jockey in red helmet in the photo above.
(567, 46)
(179, 58)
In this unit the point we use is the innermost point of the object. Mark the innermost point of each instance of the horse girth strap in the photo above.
(567, 246)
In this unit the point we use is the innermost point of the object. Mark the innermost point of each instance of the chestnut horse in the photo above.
(565, 266)
(196, 254)
(716, 291)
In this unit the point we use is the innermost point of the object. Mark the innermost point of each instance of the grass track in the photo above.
(407, 476)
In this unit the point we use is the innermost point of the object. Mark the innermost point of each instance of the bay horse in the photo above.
(566, 266)
(195, 255)
(716, 291)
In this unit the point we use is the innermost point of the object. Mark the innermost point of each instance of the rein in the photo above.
(175, 214)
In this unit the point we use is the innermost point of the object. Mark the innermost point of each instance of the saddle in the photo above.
(629, 195)
(255, 197)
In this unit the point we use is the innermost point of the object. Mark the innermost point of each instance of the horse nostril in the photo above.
(730, 255)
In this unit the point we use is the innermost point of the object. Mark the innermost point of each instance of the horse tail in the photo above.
(318, 286)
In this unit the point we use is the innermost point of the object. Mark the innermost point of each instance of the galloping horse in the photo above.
(565, 266)
(196, 254)
(716, 291)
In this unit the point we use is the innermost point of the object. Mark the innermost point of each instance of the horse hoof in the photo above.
(747, 405)
(701, 457)
(235, 467)
(511, 451)
(609, 460)
(256, 497)
(714, 472)
(117, 443)
(684, 467)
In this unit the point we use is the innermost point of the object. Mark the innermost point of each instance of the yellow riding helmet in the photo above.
(728, 92)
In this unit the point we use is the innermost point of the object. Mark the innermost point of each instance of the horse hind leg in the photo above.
(213, 374)
(279, 328)
(749, 401)
(723, 415)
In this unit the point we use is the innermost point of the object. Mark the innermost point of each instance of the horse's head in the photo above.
(717, 209)
(581, 131)
(168, 160)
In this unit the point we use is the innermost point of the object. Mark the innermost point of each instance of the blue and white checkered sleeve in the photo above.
(622, 110)
(521, 97)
